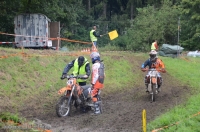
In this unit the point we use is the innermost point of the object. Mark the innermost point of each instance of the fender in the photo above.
(154, 80)
(62, 90)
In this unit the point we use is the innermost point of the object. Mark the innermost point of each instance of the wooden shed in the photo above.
(34, 31)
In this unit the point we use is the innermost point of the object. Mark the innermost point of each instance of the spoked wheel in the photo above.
(153, 94)
(62, 107)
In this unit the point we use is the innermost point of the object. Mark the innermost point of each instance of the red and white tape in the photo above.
(7, 42)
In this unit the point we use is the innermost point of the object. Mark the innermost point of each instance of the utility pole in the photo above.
(178, 50)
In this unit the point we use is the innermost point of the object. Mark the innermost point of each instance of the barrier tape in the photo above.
(65, 39)
(7, 42)
(156, 130)
(75, 41)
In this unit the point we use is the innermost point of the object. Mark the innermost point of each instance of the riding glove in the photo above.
(63, 76)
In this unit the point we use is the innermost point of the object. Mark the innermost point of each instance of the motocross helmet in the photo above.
(153, 55)
(94, 54)
(81, 60)
(95, 59)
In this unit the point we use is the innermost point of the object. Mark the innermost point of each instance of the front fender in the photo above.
(154, 80)
(62, 90)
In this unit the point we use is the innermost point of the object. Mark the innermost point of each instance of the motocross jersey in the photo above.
(95, 76)
(157, 64)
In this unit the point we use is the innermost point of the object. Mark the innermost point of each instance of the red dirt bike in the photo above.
(74, 95)
(153, 79)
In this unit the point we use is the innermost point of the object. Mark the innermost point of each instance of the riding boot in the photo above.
(96, 109)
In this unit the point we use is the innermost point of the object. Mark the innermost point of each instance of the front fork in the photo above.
(70, 97)
(153, 81)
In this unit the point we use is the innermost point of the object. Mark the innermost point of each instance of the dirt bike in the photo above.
(153, 85)
(74, 95)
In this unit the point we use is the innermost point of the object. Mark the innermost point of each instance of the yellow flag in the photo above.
(113, 34)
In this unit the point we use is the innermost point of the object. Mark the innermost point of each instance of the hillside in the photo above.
(30, 83)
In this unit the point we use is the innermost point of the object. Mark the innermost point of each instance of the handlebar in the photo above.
(153, 69)
(76, 76)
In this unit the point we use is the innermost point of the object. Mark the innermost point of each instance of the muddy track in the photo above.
(122, 111)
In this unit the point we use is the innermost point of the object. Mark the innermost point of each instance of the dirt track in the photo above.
(122, 111)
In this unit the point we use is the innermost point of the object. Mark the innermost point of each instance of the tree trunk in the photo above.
(104, 9)
(89, 5)
(131, 10)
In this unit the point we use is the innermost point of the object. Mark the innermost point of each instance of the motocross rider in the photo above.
(81, 67)
(153, 62)
(97, 84)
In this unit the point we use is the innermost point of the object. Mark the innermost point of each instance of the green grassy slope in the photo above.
(26, 78)
(183, 118)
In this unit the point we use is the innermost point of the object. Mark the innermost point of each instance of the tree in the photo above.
(190, 29)
(151, 24)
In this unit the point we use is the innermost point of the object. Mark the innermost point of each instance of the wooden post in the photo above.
(58, 45)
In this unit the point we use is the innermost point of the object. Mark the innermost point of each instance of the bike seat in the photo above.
(86, 86)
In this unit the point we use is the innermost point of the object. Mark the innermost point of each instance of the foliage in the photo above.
(191, 29)
(151, 24)
(132, 19)
(7, 116)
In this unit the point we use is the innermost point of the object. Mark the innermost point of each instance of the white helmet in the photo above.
(94, 54)
(153, 55)
(153, 52)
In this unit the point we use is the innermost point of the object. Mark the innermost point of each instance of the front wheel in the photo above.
(153, 93)
(63, 108)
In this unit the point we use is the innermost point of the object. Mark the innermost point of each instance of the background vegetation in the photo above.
(138, 22)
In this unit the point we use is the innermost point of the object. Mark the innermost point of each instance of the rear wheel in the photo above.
(62, 107)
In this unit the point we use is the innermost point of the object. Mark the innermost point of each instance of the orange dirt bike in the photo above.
(75, 95)
(153, 82)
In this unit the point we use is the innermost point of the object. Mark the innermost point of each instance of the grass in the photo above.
(26, 78)
(182, 118)
(23, 78)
